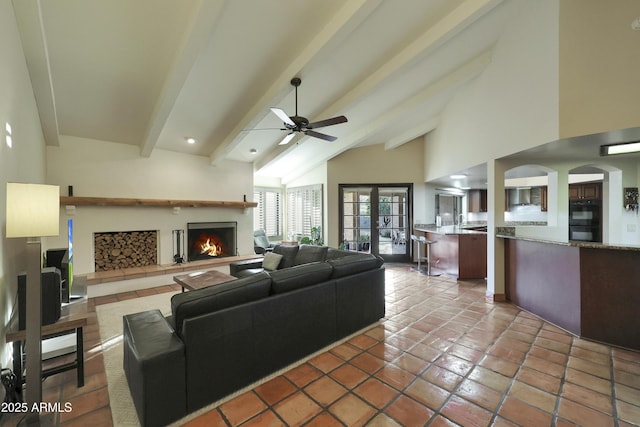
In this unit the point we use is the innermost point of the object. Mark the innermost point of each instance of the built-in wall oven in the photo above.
(585, 220)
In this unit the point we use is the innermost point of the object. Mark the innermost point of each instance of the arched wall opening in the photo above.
(611, 198)
(531, 196)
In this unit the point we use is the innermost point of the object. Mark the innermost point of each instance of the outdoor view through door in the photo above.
(376, 218)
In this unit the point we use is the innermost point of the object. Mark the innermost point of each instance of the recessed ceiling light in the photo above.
(190, 140)
(253, 151)
(457, 176)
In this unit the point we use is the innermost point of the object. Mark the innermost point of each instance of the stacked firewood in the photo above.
(125, 249)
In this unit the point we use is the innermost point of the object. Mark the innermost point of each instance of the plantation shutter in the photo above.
(304, 209)
(267, 214)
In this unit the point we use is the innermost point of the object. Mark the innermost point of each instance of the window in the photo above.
(267, 215)
(304, 210)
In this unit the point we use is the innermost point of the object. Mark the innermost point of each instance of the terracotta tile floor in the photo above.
(443, 356)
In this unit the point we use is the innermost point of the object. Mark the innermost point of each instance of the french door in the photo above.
(376, 218)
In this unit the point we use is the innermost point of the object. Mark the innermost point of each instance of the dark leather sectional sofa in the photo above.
(224, 337)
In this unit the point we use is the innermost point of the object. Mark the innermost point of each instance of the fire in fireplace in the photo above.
(206, 240)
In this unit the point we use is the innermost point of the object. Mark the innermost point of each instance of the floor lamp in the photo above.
(33, 211)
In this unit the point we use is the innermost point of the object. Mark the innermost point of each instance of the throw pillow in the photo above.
(310, 253)
(288, 253)
(271, 261)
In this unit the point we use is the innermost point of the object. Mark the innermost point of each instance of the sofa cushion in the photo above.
(348, 265)
(236, 267)
(310, 253)
(217, 297)
(299, 276)
(271, 261)
(288, 254)
(333, 253)
(248, 272)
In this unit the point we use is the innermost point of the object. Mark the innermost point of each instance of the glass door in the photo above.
(376, 219)
(393, 223)
(355, 227)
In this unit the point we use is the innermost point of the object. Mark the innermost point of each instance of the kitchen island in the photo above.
(589, 289)
(460, 251)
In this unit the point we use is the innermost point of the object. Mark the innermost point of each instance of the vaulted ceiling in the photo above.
(152, 72)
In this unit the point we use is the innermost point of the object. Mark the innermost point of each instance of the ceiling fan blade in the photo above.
(283, 116)
(287, 139)
(328, 122)
(320, 135)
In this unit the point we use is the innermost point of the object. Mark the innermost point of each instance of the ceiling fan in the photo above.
(296, 123)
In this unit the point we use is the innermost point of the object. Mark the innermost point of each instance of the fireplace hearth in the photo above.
(207, 240)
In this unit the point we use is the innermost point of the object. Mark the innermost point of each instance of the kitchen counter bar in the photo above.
(589, 289)
(579, 244)
(459, 252)
(448, 229)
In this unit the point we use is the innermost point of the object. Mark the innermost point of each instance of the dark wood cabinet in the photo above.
(587, 191)
(544, 198)
(477, 201)
(592, 191)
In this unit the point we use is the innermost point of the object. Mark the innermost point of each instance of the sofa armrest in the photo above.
(247, 264)
(155, 368)
(348, 265)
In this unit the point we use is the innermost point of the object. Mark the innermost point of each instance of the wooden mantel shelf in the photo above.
(118, 201)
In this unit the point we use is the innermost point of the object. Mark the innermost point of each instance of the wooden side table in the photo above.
(71, 321)
(201, 279)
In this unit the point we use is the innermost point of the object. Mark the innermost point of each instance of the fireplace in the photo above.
(207, 240)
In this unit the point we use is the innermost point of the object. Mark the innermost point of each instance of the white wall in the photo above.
(105, 169)
(599, 61)
(24, 162)
(512, 105)
(373, 164)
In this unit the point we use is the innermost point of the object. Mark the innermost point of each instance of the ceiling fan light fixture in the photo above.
(287, 138)
(298, 124)
(623, 148)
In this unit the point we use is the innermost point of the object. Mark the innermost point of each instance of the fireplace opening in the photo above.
(207, 240)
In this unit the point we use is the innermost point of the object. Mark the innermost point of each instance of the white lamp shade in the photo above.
(33, 210)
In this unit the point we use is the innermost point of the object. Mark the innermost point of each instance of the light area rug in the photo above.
(110, 316)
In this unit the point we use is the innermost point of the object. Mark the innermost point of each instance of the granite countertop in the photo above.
(591, 245)
(448, 229)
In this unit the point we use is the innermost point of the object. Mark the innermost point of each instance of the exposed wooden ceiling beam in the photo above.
(452, 24)
(412, 133)
(29, 16)
(456, 78)
(346, 20)
(203, 22)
